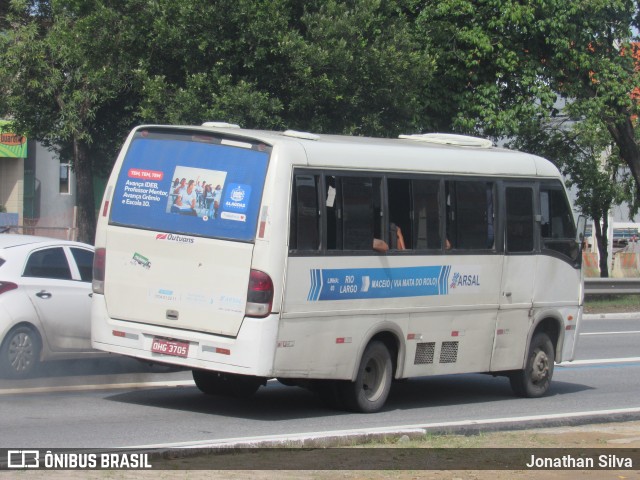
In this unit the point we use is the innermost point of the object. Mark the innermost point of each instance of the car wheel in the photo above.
(20, 353)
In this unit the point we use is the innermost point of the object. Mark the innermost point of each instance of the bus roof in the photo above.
(394, 154)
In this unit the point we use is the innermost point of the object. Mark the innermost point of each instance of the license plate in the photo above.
(170, 347)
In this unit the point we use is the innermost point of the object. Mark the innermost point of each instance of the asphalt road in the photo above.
(119, 402)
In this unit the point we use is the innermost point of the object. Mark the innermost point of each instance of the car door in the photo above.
(61, 298)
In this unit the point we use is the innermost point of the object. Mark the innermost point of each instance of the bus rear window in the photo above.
(191, 184)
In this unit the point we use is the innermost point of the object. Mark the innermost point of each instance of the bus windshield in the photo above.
(199, 185)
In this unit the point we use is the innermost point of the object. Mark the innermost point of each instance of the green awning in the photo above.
(11, 145)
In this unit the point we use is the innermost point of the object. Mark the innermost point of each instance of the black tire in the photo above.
(20, 353)
(535, 379)
(216, 383)
(371, 388)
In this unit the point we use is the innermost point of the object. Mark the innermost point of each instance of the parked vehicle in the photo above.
(45, 302)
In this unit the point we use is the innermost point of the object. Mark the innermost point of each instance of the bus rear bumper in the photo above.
(250, 353)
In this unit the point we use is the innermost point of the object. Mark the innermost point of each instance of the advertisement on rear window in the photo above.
(190, 187)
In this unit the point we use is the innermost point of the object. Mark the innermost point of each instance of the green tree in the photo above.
(357, 67)
(587, 157)
(514, 69)
(327, 66)
(503, 63)
(212, 61)
(77, 74)
(64, 69)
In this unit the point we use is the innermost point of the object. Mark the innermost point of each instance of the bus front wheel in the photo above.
(534, 380)
(371, 388)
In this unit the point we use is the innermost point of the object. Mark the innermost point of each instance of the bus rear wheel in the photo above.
(371, 388)
(217, 383)
(535, 379)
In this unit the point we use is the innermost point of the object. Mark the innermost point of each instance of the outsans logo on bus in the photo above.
(174, 238)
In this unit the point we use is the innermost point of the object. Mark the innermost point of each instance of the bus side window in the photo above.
(519, 203)
(400, 213)
(556, 225)
(304, 232)
(359, 212)
(332, 203)
(414, 207)
(470, 208)
(426, 214)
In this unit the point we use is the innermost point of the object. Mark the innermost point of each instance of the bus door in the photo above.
(518, 276)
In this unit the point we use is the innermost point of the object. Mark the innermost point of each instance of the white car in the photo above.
(45, 302)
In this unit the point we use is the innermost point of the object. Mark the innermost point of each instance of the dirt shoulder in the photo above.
(605, 439)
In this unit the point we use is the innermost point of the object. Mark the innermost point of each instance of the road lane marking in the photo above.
(610, 333)
(595, 361)
(111, 386)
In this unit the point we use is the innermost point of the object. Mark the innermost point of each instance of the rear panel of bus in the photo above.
(175, 241)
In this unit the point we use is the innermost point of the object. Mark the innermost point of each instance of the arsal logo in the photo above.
(174, 238)
(460, 280)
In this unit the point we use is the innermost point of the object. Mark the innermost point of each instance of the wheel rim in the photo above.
(373, 379)
(21, 352)
(540, 367)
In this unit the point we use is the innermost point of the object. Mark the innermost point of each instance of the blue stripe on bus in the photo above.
(364, 283)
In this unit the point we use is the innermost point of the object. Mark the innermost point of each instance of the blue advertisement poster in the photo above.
(189, 187)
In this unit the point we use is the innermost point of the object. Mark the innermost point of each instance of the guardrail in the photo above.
(611, 286)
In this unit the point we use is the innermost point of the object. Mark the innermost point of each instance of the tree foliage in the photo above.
(556, 77)
(327, 66)
(64, 72)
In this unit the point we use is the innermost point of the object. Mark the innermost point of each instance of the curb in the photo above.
(611, 316)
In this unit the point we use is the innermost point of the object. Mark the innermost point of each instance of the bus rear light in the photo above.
(121, 334)
(7, 286)
(99, 262)
(259, 295)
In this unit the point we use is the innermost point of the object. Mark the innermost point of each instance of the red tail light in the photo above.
(7, 286)
(99, 262)
(259, 295)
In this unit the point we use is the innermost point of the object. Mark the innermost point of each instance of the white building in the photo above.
(35, 188)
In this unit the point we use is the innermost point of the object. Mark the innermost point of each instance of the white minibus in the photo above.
(335, 263)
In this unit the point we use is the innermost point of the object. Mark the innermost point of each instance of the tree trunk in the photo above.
(86, 214)
(602, 240)
(624, 136)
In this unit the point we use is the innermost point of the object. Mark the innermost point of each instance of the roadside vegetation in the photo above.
(612, 303)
